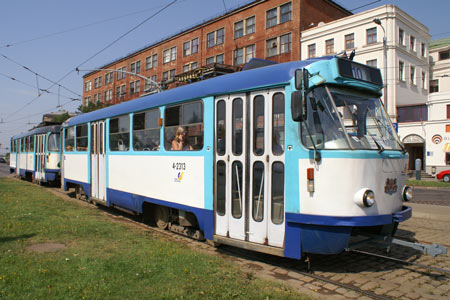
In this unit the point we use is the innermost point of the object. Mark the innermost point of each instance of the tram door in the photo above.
(40, 157)
(98, 161)
(249, 177)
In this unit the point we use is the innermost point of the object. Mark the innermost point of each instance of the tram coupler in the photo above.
(387, 241)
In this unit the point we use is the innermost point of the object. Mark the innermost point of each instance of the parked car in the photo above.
(444, 175)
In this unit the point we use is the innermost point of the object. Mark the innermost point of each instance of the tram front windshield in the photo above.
(344, 119)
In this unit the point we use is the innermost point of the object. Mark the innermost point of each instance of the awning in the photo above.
(447, 148)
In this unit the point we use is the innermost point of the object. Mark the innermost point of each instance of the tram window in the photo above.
(32, 143)
(278, 124)
(277, 203)
(22, 145)
(187, 120)
(221, 185)
(27, 144)
(236, 190)
(69, 139)
(258, 191)
(258, 125)
(237, 126)
(220, 127)
(119, 133)
(53, 142)
(146, 131)
(82, 137)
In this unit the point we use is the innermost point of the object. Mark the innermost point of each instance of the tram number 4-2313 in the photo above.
(179, 166)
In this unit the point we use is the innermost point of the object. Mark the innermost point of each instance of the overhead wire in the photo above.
(97, 53)
(80, 27)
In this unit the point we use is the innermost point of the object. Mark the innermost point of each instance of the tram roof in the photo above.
(226, 84)
(39, 130)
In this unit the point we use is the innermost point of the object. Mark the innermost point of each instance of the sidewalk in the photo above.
(431, 212)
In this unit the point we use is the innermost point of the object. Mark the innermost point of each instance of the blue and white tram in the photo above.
(35, 154)
(283, 159)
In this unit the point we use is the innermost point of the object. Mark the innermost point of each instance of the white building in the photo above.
(407, 72)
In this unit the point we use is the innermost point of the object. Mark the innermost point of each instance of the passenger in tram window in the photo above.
(277, 149)
(180, 140)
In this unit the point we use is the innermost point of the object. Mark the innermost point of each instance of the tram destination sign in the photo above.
(354, 70)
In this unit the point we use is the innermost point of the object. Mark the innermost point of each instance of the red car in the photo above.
(444, 175)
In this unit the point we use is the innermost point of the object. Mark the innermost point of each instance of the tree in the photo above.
(60, 118)
(91, 107)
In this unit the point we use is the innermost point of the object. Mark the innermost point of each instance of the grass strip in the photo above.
(103, 259)
(426, 183)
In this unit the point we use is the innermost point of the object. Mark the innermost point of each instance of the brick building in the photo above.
(267, 29)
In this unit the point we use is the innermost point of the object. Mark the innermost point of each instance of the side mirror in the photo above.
(301, 79)
(297, 106)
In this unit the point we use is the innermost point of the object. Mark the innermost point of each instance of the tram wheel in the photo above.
(161, 216)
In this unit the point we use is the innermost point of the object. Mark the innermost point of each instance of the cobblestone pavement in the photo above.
(388, 279)
(383, 278)
(431, 195)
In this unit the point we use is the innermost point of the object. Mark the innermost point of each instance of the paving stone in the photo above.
(330, 286)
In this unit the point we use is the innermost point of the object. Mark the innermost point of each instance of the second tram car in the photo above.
(285, 159)
(35, 154)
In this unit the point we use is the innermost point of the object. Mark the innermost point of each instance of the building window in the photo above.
(151, 61)
(444, 55)
(422, 49)
(149, 84)
(210, 60)
(401, 71)
(122, 90)
(190, 47)
(117, 92)
(215, 38)
(120, 73)
(285, 13)
(372, 63)
(329, 46)
(172, 74)
(238, 29)
(311, 50)
(349, 41)
(88, 86)
(165, 75)
(108, 77)
(412, 75)
(279, 45)
(414, 113)
(285, 43)
(98, 82)
(186, 68)
(108, 95)
(272, 47)
(194, 45)
(401, 37)
(238, 56)
(119, 133)
(249, 53)
(448, 111)
(424, 80)
(135, 87)
(412, 43)
(220, 59)
(170, 55)
(250, 25)
(371, 35)
(135, 67)
(272, 17)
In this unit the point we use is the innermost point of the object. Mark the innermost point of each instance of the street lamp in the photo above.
(378, 22)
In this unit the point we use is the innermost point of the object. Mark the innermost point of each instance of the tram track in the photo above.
(247, 256)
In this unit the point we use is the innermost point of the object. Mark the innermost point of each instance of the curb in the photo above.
(430, 212)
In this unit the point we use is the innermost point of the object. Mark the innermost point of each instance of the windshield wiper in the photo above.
(380, 147)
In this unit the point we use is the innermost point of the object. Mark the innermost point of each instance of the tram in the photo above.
(35, 155)
(285, 159)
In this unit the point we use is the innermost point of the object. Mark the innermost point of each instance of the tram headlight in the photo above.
(407, 193)
(369, 198)
(364, 198)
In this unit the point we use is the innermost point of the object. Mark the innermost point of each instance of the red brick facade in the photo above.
(270, 29)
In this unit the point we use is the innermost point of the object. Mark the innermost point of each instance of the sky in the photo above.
(43, 42)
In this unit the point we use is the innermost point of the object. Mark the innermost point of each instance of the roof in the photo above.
(273, 75)
(39, 130)
(439, 43)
